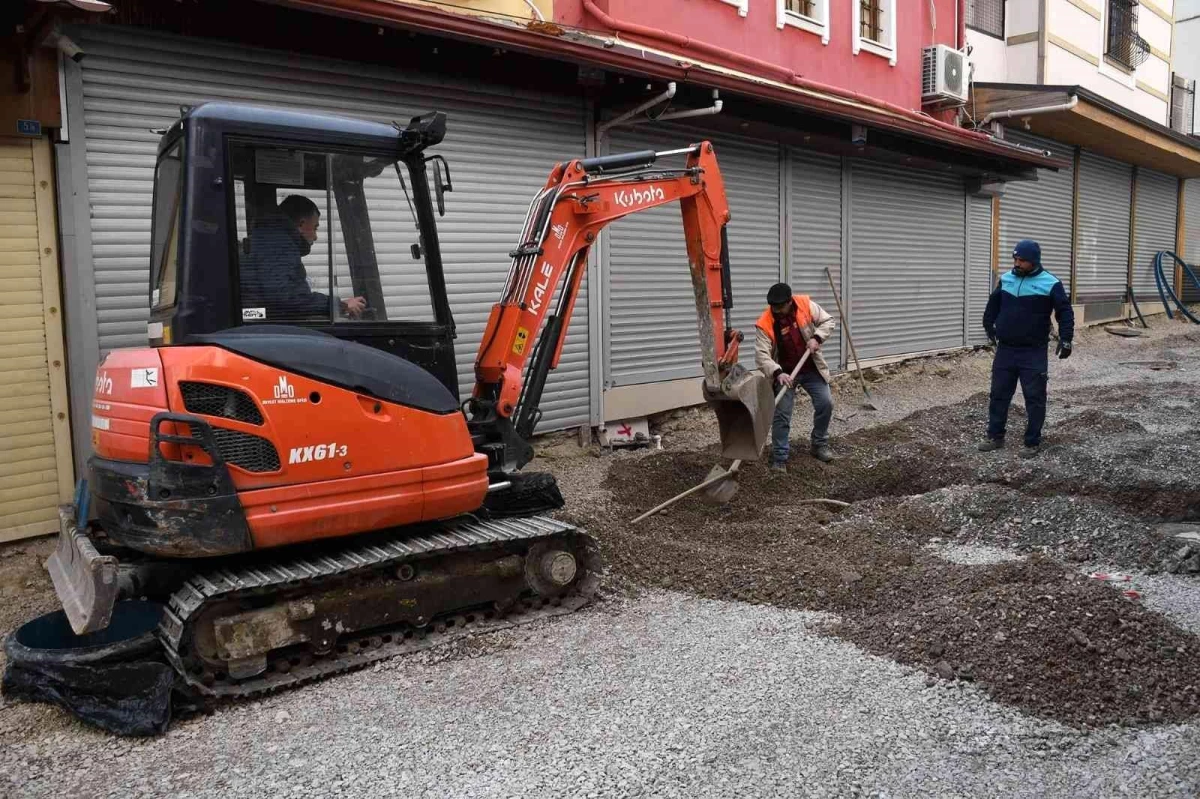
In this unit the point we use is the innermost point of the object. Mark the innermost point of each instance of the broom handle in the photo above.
(846, 324)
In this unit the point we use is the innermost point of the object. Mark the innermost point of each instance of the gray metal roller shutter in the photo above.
(651, 311)
(907, 249)
(1040, 210)
(814, 210)
(1191, 254)
(979, 278)
(1154, 230)
(1102, 263)
(500, 155)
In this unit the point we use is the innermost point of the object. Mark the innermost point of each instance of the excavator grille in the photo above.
(209, 399)
(250, 452)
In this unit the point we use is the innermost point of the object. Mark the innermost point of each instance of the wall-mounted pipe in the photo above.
(960, 24)
(537, 12)
(712, 110)
(1028, 112)
(604, 127)
(667, 116)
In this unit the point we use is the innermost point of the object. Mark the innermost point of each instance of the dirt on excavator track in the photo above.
(1035, 632)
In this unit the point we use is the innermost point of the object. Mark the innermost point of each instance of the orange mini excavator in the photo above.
(287, 467)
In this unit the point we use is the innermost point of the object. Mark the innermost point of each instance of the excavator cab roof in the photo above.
(422, 132)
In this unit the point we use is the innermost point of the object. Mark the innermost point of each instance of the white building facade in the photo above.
(1119, 49)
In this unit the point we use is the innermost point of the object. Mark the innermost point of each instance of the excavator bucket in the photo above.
(744, 405)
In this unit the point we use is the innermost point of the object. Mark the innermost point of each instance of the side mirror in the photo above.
(439, 188)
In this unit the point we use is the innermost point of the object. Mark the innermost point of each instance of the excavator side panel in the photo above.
(280, 458)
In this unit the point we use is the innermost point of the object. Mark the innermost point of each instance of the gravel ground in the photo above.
(664, 696)
(689, 692)
(974, 555)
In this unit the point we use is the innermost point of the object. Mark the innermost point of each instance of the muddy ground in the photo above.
(1117, 462)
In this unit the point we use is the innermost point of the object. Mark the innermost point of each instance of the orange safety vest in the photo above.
(766, 322)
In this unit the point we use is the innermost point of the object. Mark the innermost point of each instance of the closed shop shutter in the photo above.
(907, 251)
(1154, 226)
(979, 279)
(1040, 210)
(1101, 266)
(815, 234)
(1191, 209)
(650, 308)
(500, 155)
(35, 454)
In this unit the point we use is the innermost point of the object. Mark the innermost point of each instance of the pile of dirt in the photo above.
(1033, 633)
(1053, 642)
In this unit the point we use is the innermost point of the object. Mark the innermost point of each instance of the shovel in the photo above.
(868, 403)
(718, 487)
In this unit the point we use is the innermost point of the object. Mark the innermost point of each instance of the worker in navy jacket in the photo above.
(1017, 321)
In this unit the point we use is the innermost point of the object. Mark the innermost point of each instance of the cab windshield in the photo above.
(325, 237)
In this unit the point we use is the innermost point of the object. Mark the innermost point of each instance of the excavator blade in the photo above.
(744, 406)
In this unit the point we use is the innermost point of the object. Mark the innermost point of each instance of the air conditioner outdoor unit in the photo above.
(944, 76)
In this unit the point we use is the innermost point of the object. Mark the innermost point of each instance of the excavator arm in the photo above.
(564, 220)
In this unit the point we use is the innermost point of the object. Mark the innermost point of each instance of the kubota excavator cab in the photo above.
(277, 217)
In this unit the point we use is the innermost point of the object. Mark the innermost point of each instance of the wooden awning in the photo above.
(1094, 123)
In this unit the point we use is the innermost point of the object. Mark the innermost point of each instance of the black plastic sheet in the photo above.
(115, 679)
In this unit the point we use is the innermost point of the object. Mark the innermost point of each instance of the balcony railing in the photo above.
(1124, 46)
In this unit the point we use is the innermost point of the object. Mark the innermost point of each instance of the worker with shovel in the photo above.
(791, 325)
(1017, 321)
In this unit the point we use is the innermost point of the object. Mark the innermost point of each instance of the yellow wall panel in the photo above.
(18, 330)
(28, 525)
(35, 386)
(29, 498)
(19, 449)
(36, 471)
(46, 461)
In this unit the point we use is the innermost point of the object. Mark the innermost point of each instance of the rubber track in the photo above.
(462, 535)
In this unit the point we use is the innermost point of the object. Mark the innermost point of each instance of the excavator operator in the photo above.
(273, 275)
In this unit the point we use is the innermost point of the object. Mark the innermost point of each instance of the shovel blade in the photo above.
(744, 406)
(722, 492)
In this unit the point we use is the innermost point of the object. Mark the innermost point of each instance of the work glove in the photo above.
(1063, 350)
(992, 339)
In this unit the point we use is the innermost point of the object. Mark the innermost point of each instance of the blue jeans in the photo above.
(781, 425)
(1029, 366)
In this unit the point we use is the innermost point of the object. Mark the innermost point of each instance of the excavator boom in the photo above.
(580, 198)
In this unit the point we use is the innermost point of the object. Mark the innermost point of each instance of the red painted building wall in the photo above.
(718, 23)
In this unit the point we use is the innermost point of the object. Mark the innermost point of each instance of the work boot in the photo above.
(1030, 451)
(823, 453)
(778, 469)
(991, 444)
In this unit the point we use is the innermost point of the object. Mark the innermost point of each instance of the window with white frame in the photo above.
(743, 6)
(809, 15)
(875, 28)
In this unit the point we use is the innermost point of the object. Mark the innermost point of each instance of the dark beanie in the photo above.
(779, 294)
(1028, 250)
